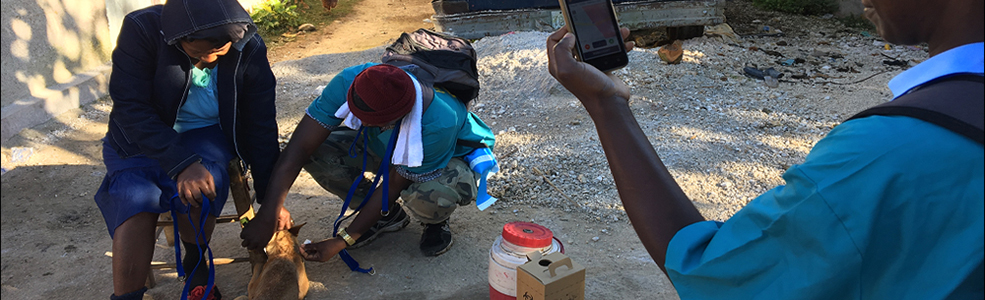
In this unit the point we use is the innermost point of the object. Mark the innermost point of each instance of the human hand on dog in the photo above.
(322, 251)
(284, 221)
(257, 233)
(194, 182)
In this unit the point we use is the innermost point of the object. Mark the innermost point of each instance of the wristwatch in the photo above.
(345, 236)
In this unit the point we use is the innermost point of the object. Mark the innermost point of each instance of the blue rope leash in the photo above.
(384, 172)
(200, 232)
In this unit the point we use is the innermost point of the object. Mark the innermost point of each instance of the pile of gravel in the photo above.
(725, 137)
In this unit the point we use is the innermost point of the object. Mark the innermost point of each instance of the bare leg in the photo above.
(133, 249)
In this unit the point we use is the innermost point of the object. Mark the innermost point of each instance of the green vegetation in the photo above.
(278, 20)
(803, 7)
(275, 16)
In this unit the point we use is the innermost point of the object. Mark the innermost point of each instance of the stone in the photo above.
(672, 53)
(307, 27)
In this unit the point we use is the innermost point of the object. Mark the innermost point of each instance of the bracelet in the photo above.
(345, 236)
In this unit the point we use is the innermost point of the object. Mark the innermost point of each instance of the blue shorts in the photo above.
(138, 184)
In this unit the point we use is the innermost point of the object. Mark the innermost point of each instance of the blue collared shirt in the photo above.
(884, 207)
(967, 58)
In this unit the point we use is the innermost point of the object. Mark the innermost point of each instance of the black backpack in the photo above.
(442, 60)
(953, 102)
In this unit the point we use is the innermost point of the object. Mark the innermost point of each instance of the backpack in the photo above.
(442, 60)
(952, 102)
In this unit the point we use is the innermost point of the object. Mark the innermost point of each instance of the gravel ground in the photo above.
(726, 137)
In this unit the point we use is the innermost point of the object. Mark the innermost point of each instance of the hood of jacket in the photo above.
(187, 16)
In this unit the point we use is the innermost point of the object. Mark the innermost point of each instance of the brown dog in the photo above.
(279, 273)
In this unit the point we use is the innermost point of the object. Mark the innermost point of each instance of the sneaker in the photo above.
(436, 239)
(398, 219)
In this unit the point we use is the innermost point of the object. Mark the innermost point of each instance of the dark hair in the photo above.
(359, 103)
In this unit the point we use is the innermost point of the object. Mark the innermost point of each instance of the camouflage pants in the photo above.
(430, 202)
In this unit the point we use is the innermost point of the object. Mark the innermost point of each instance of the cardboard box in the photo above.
(552, 277)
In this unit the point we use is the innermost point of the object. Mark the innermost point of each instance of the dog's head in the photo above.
(284, 242)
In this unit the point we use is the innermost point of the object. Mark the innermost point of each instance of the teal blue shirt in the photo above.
(874, 212)
(445, 121)
(884, 207)
(201, 108)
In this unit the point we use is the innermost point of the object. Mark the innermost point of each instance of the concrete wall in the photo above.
(56, 55)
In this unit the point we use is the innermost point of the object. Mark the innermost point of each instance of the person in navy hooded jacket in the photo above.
(191, 89)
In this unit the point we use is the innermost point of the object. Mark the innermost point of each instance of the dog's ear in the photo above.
(297, 228)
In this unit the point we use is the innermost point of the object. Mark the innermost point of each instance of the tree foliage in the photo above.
(275, 16)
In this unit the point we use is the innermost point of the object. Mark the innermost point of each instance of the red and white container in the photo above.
(510, 251)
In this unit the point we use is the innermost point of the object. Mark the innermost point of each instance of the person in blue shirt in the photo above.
(371, 110)
(884, 207)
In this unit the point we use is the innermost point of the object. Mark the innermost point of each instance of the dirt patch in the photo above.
(372, 23)
(724, 136)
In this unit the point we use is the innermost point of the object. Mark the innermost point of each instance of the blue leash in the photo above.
(200, 232)
(384, 172)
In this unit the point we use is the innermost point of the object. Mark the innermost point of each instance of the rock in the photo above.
(760, 74)
(771, 82)
(672, 53)
(771, 52)
(894, 62)
(724, 31)
(307, 27)
(648, 38)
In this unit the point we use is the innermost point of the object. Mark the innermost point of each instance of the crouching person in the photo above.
(375, 115)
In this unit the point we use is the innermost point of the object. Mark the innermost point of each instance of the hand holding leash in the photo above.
(194, 182)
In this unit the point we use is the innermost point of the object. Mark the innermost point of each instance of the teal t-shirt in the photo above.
(445, 121)
(884, 207)
(201, 107)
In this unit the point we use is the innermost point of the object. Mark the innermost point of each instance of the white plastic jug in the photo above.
(510, 250)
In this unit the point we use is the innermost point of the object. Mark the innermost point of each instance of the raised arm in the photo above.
(653, 201)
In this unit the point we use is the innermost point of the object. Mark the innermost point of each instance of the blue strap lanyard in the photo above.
(200, 232)
(384, 172)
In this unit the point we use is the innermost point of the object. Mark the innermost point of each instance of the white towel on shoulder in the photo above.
(409, 151)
